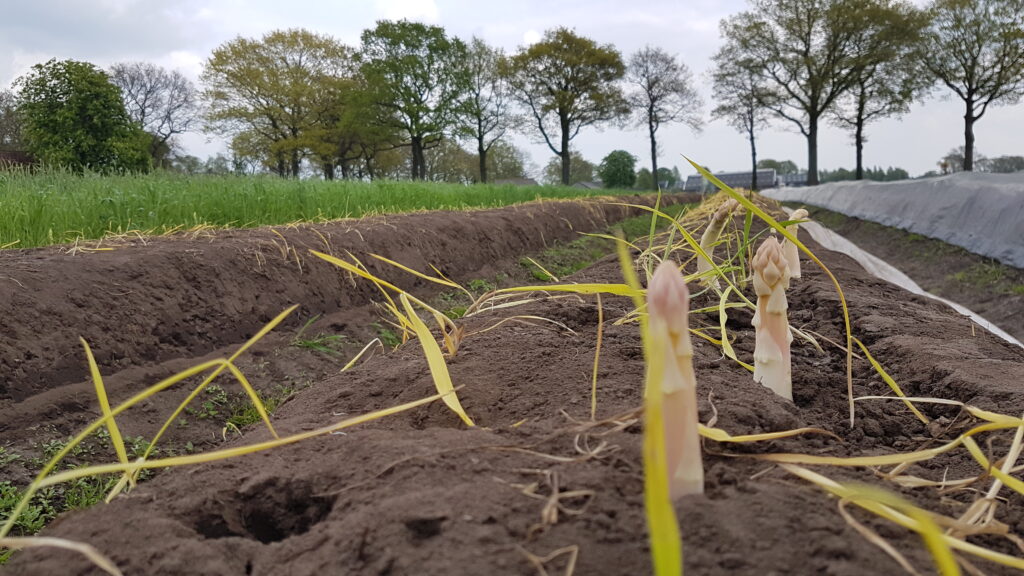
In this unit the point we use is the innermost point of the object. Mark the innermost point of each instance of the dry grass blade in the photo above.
(719, 435)
(356, 358)
(94, 555)
(892, 383)
(226, 453)
(723, 317)
(873, 537)
(597, 358)
(101, 396)
(893, 508)
(544, 270)
(435, 360)
(539, 562)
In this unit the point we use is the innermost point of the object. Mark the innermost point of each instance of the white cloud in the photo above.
(417, 10)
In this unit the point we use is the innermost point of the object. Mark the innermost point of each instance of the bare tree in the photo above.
(487, 114)
(742, 99)
(163, 102)
(976, 49)
(889, 78)
(662, 93)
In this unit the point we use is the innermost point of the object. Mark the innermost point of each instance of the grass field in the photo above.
(48, 208)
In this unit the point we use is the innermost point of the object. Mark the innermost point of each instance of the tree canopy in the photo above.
(618, 169)
(72, 116)
(162, 102)
(807, 53)
(976, 49)
(566, 83)
(418, 74)
(662, 93)
(268, 93)
(487, 115)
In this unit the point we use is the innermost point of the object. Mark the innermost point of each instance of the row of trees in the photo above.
(855, 61)
(294, 98)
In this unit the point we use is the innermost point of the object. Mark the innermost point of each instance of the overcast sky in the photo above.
(182, 34)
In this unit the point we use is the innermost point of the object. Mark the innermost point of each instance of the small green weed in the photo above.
(387, 336)
(243, 412)
(7, 457)
(325, 343)
(215, 402)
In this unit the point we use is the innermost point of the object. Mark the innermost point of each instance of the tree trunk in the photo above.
(753, 158)
(295, 163)
(858, 142)
(654, 155)
(417, 157)
(812, 151)
(328, 167)
(969, 119)
(282, 168)
(482, 152)
(565, 151)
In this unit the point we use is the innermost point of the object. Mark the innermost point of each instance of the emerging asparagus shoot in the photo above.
(790, 249)
(772, 335)
(711, 235)
(668, 306)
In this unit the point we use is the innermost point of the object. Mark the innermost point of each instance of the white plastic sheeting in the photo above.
(983, 213)
(882, 269)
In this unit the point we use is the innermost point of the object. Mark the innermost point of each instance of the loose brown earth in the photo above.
(418, 493)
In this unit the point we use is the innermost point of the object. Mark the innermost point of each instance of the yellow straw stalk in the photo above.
(791, 250)
(772, 335)
(668, 306)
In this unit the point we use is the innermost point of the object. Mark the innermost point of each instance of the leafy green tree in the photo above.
(505, 160)
(582, 170)
(807, 53)
(976, 49)
(617, 169)
(566, 83)
(780, 166)
(164, 103)
(272, 90)
(742, 97)
(889, 80)
(449, 162)
(662, 93)
(73, 116)
(418, 74)
(487, 115)
(644, 179)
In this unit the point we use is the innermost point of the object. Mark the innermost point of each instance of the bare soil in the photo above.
(536, 487)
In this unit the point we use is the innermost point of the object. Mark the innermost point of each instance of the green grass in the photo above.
(53, 207)
(330, 344)
(565, 259)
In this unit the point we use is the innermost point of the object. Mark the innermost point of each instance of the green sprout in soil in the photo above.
(324, 343)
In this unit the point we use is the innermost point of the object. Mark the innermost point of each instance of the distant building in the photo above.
(793, 179)
(516, 182)
(765, 179)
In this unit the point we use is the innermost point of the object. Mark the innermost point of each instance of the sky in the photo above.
(181, 35)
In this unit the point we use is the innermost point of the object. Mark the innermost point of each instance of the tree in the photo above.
(644, 179)
(617, 169)
(780, 166)
(164, 103)
(976, 49)
(10, 124)
(805, 52)
(663, 93)
(505, 161)
(889, 78)
(419, 75)
(1005, 164)
(272, 89)
(567, 83)
(486, 117)
(743, 100)
(73, 117)
(582, 171)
